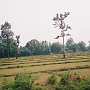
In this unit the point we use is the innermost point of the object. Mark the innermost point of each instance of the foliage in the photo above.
(52, 79)
(81, 46)
(56, 47)
(9, 46)
(22, 82)
(4, 49)
(73, 82)
(24, 51)
(70, 45)
(37, 48)
(66, 81)
(7, 34)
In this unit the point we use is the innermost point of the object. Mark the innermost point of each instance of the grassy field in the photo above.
(42, 66)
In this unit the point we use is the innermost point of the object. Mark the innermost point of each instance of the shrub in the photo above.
(22, 82)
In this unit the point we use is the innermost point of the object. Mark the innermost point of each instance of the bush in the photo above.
(22, 82)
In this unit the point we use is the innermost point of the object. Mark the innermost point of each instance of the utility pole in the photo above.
(60, 24)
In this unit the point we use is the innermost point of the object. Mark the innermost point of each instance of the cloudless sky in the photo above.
(32, 19)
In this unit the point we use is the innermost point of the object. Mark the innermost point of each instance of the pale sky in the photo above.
(32, 19)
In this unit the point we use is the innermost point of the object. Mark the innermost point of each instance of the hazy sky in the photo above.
(32, 19)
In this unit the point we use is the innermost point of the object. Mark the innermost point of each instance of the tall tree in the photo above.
(33, 46)
(7, 34)
(60, 23)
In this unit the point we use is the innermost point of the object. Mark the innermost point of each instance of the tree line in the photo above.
(9, 46)
(34, 47)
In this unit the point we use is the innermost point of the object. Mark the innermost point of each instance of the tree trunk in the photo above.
(63, 49)
(17, 52)
(8, 48)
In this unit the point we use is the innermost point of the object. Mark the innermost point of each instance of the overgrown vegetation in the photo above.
(69, 81)
(66, 81)
(22, 82)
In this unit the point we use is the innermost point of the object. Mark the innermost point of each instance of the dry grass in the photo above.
(44, 65)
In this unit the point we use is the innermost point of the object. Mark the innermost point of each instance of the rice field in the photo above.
(42, 66)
